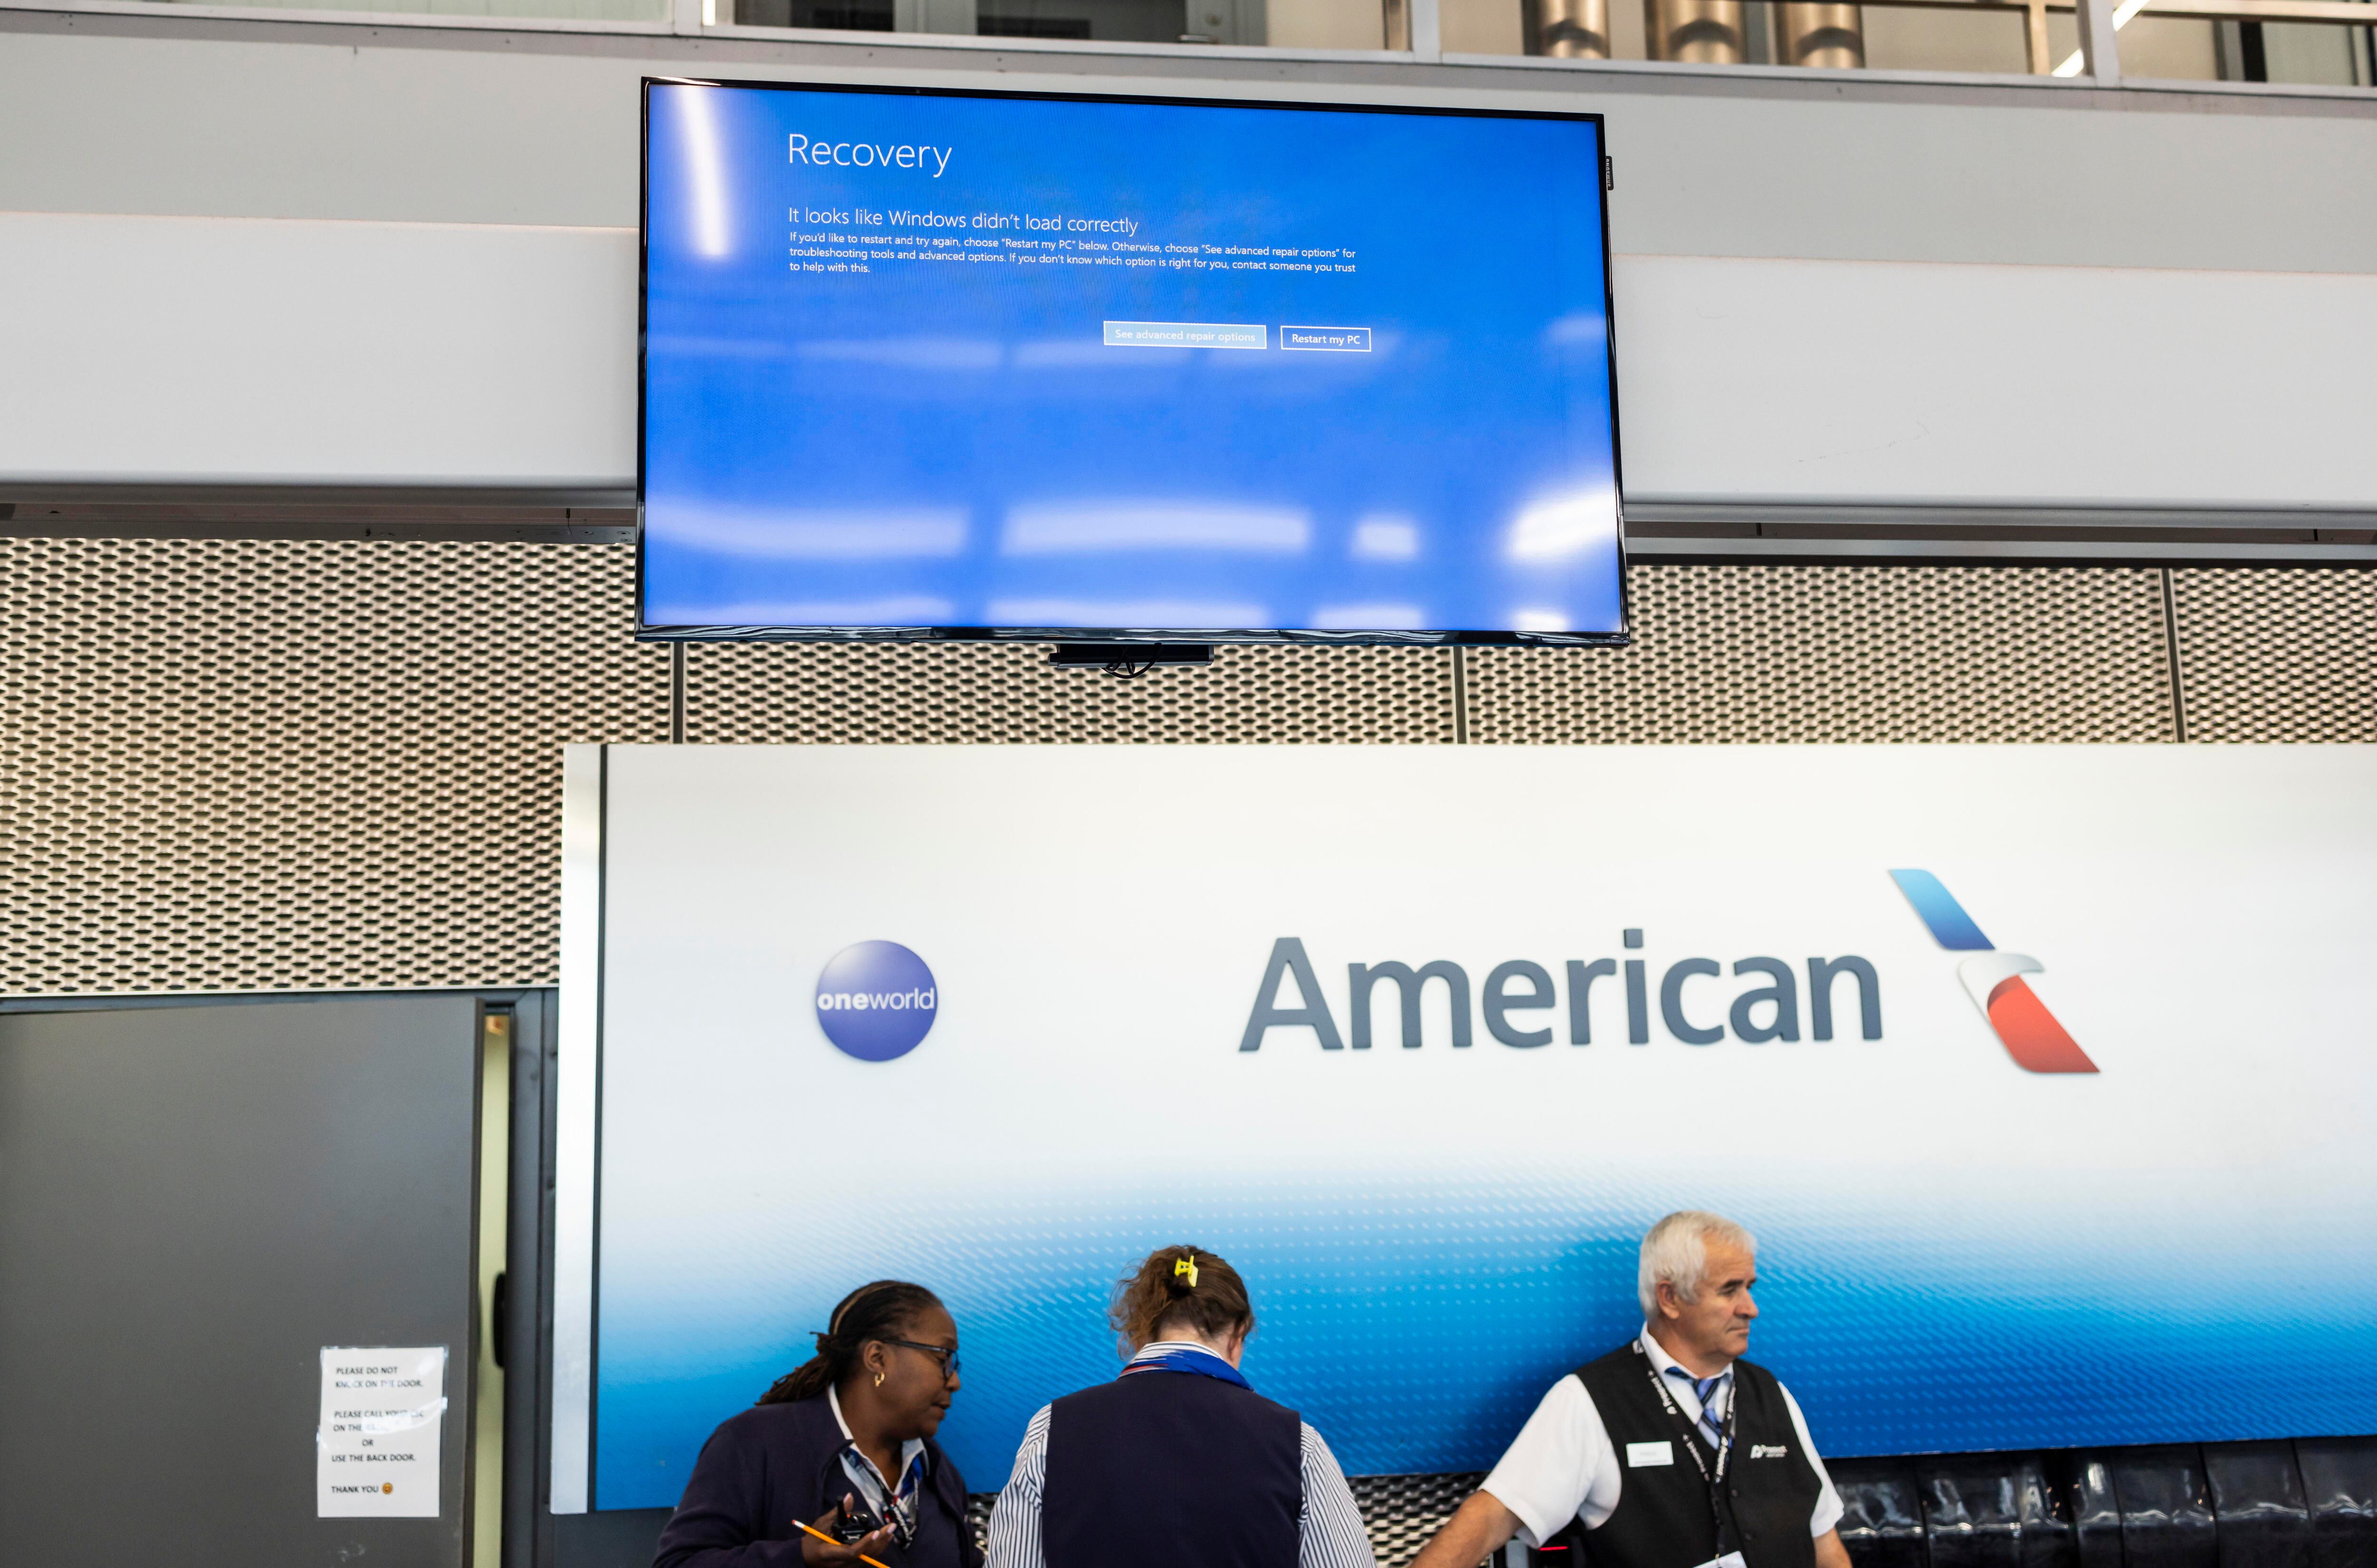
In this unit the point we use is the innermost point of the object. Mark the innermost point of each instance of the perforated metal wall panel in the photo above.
(1008, 692)
(1400, 1513)
(242, 765)
(234, 765)
(2278, 656)
(300, 765)
(1848, 653)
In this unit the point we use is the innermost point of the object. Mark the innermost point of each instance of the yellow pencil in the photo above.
(830, 1541)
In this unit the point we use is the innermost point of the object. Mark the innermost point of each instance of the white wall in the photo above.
(237, 349)
(257, 351)
(1893, 381)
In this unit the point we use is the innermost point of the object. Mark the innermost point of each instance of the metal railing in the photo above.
(1819, 34)
(1829, 34)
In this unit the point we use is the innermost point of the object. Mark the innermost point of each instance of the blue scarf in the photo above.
(1203, 1363)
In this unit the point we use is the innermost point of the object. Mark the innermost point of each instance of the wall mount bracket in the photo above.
(1128, 659)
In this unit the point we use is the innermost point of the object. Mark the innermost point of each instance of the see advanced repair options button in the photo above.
(1186, 335)
(1337, 339)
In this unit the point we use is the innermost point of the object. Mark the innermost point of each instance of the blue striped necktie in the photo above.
(1706, 1389)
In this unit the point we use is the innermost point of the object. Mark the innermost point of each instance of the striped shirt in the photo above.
(1329, 1530)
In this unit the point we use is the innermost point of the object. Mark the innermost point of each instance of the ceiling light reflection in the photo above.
(1584, 326)
(1384, 538)
(1132, 615)
(1565, 528)
(822, 533)
(1091, 527)
(705, 158)
(914, 609)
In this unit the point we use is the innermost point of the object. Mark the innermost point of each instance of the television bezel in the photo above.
(1289, 636)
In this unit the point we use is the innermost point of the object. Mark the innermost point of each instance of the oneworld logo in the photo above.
(1994, 980)
(877, 1001)
(1522, 1004)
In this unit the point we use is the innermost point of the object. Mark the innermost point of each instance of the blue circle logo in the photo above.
(877, 1001)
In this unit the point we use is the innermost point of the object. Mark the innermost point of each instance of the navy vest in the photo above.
(1172, 1470)
(1663, 1518)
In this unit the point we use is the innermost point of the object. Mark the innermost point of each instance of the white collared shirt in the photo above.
(1684, 1388)
(873, 1489)
(1562, 1465)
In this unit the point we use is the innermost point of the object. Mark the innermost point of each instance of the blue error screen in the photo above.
(973, 361)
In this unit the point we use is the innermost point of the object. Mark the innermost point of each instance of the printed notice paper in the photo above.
(376, 1453)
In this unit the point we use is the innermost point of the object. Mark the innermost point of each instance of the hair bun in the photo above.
(1179, 1291)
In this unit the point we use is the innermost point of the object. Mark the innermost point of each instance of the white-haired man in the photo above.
(1671, 1451)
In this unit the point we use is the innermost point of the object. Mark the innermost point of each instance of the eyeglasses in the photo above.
(946, 1354)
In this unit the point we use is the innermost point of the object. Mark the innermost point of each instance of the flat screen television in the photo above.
(927, 363)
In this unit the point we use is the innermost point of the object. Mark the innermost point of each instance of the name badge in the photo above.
(1768, 1450)
(1640, 1455)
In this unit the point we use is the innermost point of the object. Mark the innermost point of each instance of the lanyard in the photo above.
(1715, 1478)
(899, 1508)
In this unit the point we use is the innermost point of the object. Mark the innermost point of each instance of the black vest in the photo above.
(1172, 1470)
(1663, 1518)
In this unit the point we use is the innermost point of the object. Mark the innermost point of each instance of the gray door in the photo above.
(193, 1202)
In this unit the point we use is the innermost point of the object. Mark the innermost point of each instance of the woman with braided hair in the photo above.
(844, 1443)
(1178, 1463)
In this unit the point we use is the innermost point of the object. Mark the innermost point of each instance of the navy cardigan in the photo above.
(772, 1464)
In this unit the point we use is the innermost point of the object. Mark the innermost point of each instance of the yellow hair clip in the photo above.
(1186, 1268)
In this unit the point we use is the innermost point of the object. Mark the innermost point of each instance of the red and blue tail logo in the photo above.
(2032, 1037)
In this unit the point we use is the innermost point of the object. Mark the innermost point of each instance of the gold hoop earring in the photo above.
(879, 1380)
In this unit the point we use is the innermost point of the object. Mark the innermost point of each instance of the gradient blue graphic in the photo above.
(1416, 1320)
(1000, 434)
(1950, 926)
(875, 1000)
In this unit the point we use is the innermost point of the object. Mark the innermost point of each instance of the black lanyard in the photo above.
(1715, 1478)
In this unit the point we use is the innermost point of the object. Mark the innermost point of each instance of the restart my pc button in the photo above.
(1327, 340)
